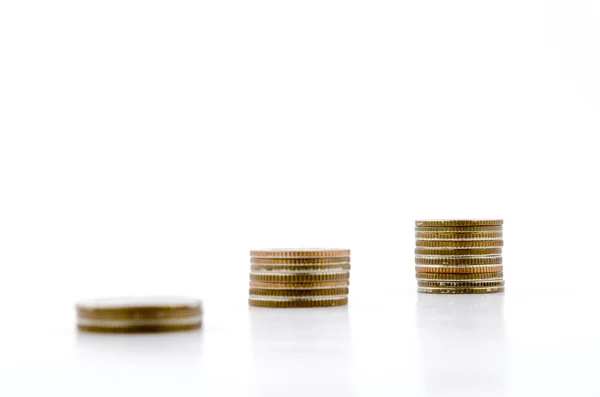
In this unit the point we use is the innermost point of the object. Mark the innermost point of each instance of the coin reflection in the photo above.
(462, 344)
(300, 351)
(186, 345)
(140, 364)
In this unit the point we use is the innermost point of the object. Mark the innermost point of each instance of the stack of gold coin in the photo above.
(139, 314)
(306, 277)
(459, 256)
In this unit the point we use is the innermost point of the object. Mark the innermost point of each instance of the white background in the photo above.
(146, 147)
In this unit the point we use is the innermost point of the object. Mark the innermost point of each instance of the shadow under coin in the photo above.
(300, 351)
(462, 344)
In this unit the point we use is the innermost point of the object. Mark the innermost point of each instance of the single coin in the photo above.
(114, 328)
(276, 298)
(459, 244)
(459, 276)
(460, 284)
(300, 292)
(139, 314)
(300, 278)
(305, 274)
(443, 236)
(459, 222)
(458, 269)
(436, 252)
(300, 261)
(299, 286)
(487, 290)
(303, 268)
(300, 253)
(458, 229)
(487, 260)
(294, 303)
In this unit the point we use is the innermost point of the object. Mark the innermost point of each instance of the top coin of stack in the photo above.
(459, 256)
(306, 277)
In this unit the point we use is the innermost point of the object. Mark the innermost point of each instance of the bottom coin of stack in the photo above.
(289, 278)
(459, 256)
(137, 314)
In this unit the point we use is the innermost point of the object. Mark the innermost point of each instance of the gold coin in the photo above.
(459, 222)
(298, 303)
(460, 284)
(487, 260)
(301, 292)
(300, 253)
(139, 329)
(436, 252)
(458, 229)
(458, 276)
(488, 290)
(303, 268)
(458, 269)
(300, 261)
(299, 286)
(138, 307)
(459, 244)
(139, 314)
(299, 278)
(471, 236)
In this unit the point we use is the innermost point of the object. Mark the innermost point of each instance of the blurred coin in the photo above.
(457, 252)
(459, 229)
(299, 286)
(300, 253)
(294, 302)
(459, 276)
(471, 236)
(477, 260)
(458, 222)
(460, 284)
(488, 290)
(464, 269)
(300, 277)
(299, 269)
(459, 244)
(300, 261)
(298, 292)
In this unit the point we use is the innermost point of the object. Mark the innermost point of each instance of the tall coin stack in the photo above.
(312, 277)
(459, 256)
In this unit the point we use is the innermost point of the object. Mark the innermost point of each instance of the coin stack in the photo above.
(310, 277)
(139, 314)
(459, 256)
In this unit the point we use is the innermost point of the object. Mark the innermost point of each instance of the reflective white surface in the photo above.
(510, 344)
(147, 147)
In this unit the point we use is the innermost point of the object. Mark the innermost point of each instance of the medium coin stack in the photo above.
(459, 256)
(310, 277)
